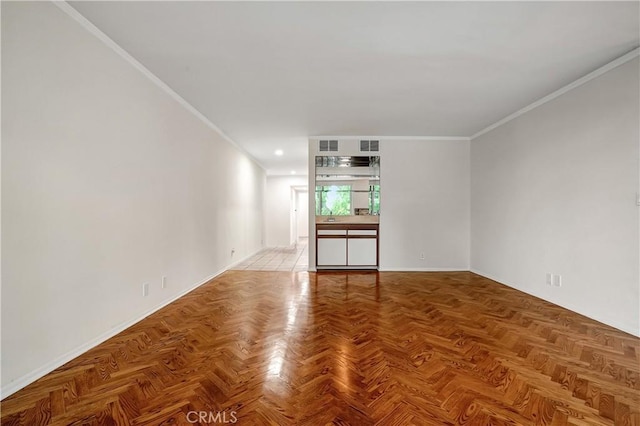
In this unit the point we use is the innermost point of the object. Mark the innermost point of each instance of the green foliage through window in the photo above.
(374, 199)
(333, 200)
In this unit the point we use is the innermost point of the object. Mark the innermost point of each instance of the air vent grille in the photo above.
(328, 146)
(366, 146)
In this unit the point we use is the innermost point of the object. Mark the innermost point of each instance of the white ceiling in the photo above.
(271, 74)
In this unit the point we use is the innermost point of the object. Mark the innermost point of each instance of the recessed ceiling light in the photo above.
(279, 152)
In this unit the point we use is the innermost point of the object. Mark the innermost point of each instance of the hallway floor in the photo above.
(292, 258)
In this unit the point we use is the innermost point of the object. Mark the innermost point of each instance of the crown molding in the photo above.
(579, 82)
(397, 138)
(84, 22)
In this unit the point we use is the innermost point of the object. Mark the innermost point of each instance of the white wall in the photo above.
(554, 190)
(107, 183)
(424, 204)
(279, 209)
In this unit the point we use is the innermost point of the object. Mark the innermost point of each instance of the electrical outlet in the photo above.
(145, 289)
(557, 280)
(421, 256)
(549, 279)
(164, 282)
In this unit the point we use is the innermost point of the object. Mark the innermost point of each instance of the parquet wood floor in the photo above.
(294, 348)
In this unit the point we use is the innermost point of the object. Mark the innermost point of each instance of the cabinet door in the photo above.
(332, 251)
(363, 251)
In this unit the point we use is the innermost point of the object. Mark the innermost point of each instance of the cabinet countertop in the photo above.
(344, 220)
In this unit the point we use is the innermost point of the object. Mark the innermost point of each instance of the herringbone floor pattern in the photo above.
(286, 348)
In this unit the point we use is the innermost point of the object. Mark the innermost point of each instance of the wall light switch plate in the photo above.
(145, 289)
(549, 279)
(557, 280)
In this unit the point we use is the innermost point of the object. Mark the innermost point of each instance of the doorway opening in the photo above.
(299, 233)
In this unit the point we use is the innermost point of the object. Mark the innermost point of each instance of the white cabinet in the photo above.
(332, 251)
(344, 246)
(362, 252)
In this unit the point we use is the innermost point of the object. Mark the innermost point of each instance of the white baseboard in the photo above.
(237, 262)
(453, 269)
(19, 383)
(627, 328)
(493, 278)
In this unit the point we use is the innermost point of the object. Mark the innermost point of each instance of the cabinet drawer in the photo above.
(332, 232)
(371, 232)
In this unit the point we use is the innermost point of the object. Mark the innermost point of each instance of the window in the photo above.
(374, 199)
(333, 200)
